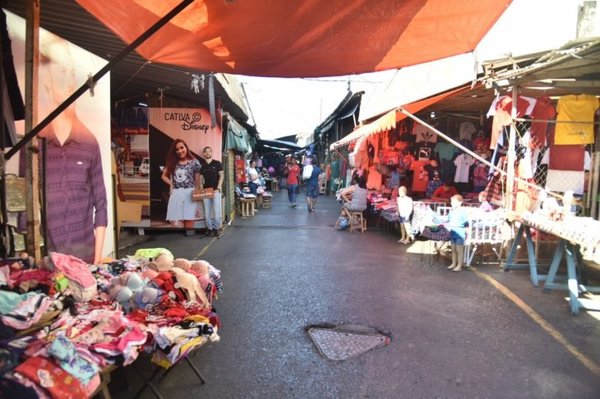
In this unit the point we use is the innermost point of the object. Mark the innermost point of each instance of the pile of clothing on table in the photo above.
(63, 321)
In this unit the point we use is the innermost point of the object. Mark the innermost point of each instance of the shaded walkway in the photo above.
(453, 334)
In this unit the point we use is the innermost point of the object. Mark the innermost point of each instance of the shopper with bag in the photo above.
(182, 175)
(312, 184)
(212, 177)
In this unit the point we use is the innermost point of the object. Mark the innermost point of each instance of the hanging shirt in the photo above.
(374, 179)
(542, 112)
(567, 179)
(445, 151)
(466, 130)
(576, 108)
(463, 166)
(423, 134)
(480, 175)
(565, 157)
(481, 142)
(501, 111)
(420, 178)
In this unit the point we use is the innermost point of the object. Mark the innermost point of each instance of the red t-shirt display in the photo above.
(420, 179)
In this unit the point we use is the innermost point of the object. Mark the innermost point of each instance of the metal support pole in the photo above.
(511, 154)
(153, 29)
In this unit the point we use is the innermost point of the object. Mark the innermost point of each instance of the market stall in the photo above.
(66, 325)
(527, 130)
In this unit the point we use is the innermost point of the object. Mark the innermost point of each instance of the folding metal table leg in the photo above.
(148, 383)
(195, 370)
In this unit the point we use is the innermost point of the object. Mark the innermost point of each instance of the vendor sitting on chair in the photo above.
(444, 193)
(355, 197)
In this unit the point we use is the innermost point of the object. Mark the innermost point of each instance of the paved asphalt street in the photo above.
(474, 334)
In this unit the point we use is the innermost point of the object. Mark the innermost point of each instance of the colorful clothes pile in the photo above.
(84, 318)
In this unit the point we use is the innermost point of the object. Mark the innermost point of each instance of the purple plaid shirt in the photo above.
(75, 193)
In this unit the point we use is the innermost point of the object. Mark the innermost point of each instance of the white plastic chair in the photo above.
(484, 228)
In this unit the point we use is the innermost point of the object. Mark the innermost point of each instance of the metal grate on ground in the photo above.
(346, 342)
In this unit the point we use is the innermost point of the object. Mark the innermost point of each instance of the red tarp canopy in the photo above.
(301, 38)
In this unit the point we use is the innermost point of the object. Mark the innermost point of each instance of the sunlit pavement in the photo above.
(454, 335)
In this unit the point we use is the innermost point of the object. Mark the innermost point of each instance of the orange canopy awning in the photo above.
(388, 120)
(301, 38)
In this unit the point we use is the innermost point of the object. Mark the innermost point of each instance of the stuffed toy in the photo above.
(183, 264)
(162, 263)
(201, 269)
(214, 274)
(189, 283)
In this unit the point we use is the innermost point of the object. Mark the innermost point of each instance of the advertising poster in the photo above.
(193, 127)
(132, 155)
(78, 158)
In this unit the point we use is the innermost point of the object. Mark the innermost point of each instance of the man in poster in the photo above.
(212, 177)
(76, 204)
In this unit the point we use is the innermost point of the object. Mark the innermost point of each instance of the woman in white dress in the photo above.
(182, 174)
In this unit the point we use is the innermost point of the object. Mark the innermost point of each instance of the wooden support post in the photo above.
(32, 169)
(595, 177)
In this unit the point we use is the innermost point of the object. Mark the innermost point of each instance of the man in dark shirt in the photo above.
(312, 186)
(212, 177)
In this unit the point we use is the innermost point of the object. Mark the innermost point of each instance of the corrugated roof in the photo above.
(133, 76)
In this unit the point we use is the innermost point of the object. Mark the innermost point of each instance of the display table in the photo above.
(149, 306)
(567, 247)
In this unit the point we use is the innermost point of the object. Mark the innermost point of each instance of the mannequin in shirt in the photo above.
(457, 220)
(405, 208)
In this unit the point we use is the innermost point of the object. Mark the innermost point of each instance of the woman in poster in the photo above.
(182, 174)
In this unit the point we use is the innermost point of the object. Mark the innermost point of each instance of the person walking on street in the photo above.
(293, 170)
(212, 177)
(312, 186)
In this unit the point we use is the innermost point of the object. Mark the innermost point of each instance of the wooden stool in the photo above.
(358, 221)
(266, 201)
(247, 206)
(322, 187)
(274, 185)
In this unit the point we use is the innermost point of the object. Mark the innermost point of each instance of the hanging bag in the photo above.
(200, 194)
